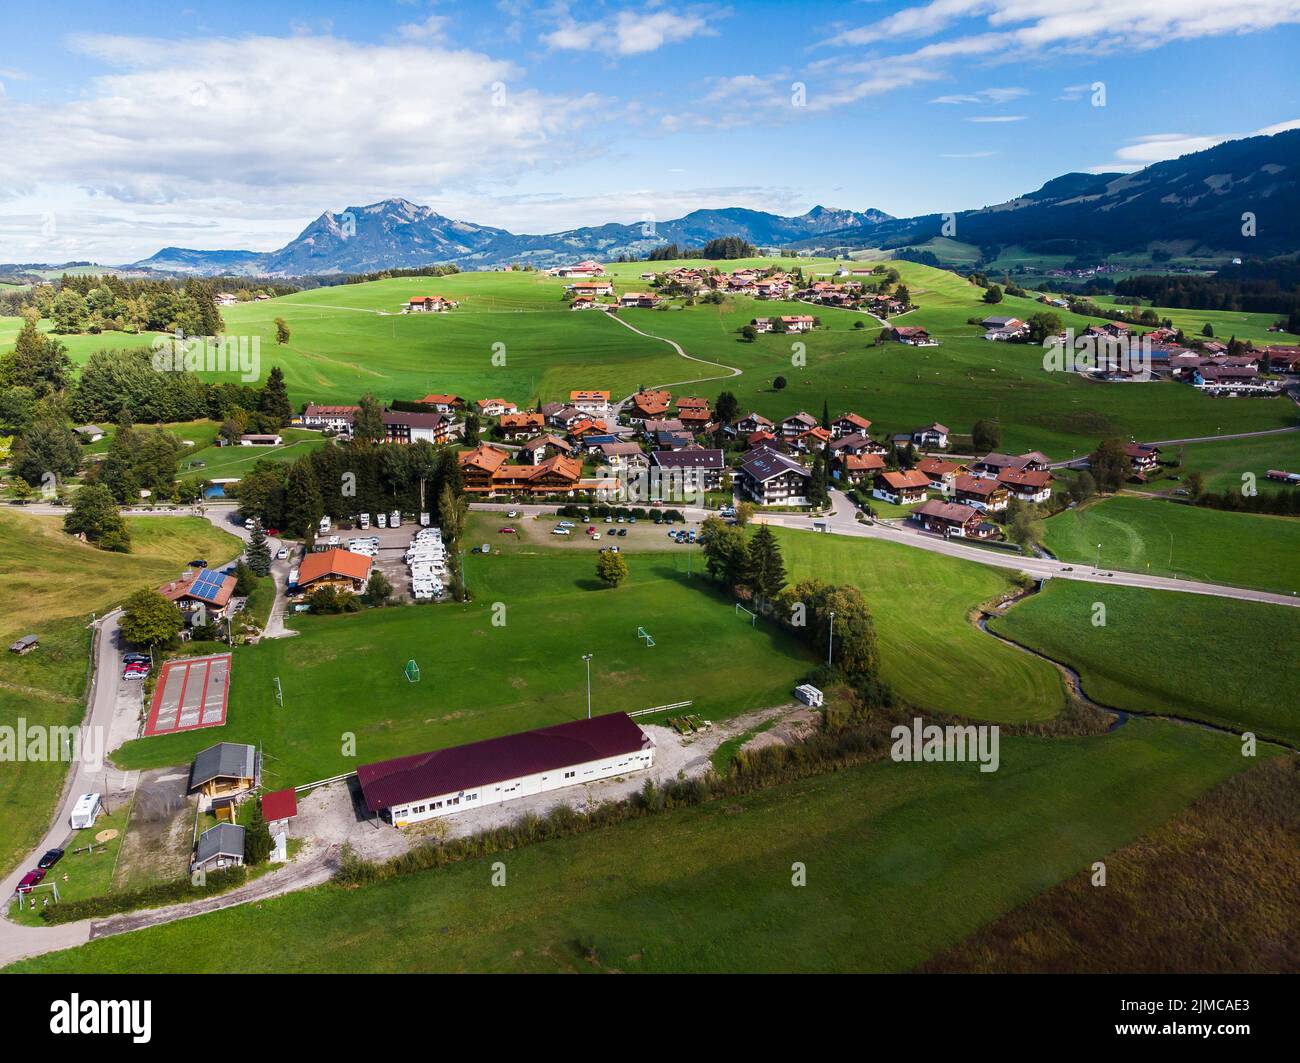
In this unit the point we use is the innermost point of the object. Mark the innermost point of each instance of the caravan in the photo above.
(86, 811)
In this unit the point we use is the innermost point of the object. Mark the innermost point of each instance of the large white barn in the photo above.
(411, 789)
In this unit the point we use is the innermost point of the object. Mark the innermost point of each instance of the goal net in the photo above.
(742, 611)
(412, 672)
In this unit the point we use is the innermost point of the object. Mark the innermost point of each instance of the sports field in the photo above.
(1214, 659)
(50, 587)
(1176, 539)
(479, 678)
(902, 861)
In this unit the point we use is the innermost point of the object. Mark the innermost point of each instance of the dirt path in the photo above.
(732, 371)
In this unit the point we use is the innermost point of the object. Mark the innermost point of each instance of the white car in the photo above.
(282, 554)
(560, 531)
(512, 514)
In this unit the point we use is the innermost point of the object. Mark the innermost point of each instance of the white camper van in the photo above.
(394, 519)
(364, 520)
(86, 811)
(324, 526)
(382, 520)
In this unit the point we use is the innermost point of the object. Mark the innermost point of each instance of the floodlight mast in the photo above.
(587, 658)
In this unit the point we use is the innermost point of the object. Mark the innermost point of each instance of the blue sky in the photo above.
(130, 127)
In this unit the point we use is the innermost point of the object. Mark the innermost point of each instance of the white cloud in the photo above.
(1157, 147)
(967, 154)
(633, 32)
(289, 125)
(997, 118)
(994, 96)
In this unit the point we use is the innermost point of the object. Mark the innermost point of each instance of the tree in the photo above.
(993, 294)
(258, 553)
(378, 589)
(37, 361)
(778, 384)
(986, 436)
(1043, 325)
(826, 414)
(245, 579)
(303, 506)
(69, 311)
(281, 331)
(1207, 330)
(1109, 464)
(257, 837)
(473, 425)
(47, 447)
(1024, 528)
(744, 513)
(274, 402)
(94, 514)
(451, 514)
(725, 551)
(368, 424)
(1082, 487)
(726, 409)
(765, 571)
(748, 333)
(1195, 485)
(149, 619)
(611, 568)
(818, 489)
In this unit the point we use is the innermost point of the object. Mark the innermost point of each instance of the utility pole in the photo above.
(1097, 566)
(830, 641)
(588, 659)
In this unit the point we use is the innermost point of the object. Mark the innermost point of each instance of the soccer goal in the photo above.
(642, 633)
(753, 617)
(412, 672)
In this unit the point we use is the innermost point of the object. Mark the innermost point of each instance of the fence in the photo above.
(662, 708)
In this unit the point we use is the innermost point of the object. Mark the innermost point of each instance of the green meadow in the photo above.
(1219, 660)
(1225, 463)
(931, 653)
(1177, 539)
(52, 584)
(901, 860)
(1225, 323)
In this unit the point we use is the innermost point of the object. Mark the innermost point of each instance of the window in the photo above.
(569, 774)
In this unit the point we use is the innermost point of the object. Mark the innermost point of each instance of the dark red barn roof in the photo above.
(447, 771)
(279, 804)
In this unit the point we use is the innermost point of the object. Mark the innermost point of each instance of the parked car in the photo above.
(477, 550)
(487, 548)
(595, 537)
(505, 531)
(282, 553)
(198, 562)
(622, 531)
(136, 658)
(29, 880)
(49, 859)
(559, 531)
(512, 514)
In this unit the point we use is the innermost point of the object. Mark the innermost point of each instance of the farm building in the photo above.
(218, 847)
(420, 787)
(341, 569)
(24, 645)
(261, 439)
(226, 769)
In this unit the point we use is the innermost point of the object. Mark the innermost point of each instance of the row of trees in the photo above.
(88, 303)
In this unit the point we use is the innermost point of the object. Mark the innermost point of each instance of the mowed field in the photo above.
(1225, 323)
(479, 678)
(902, 861)
(1226, 662)
(1176, 539)
(50, 587)
(1224, 463)
(930, 652)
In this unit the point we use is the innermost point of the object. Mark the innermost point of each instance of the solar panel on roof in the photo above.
(207, 585)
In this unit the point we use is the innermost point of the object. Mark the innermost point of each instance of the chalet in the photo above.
(762, 324)
(797, 424)
(751, 423)
(336, 419)
(854, 468)
(652, 428)
(218, 847)
(772, 288)
(811, 441)
(442, 403)
(430, 304)
(798, 322)
(941, 474)
(605, 287)
(89, 433)
(932, 435)
(421, 787)
(436, 428)
(694, 413)
(588, 426)
(521, 425)
(988, 496)
(592, 443)
(478, 465)
(762, 439)
(1283, 359)
(641, 300)
(582, 269)
(847, 424)
(586, 302)
(701, 466)
(648, 405)
(951, 519)
(495, 407)
(341, 569)
(544, 446)
(201, 593)
(1004, 328)
(994, 464)
(226, 770)
(914, 336)
(596, 402)
(624, 455)
(226, 299)
(1110, 330)
(901, 488)
(1026, 485)
(857, 443)
(771, 479)
(1141, 459)
(486, 470)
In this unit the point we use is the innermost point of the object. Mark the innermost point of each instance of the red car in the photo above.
(506, 531)
(31, 879)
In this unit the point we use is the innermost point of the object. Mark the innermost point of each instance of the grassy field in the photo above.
(344, 675)
(81, 874)
(1175, 539)
(51, 585)
(1225, 323)
(1173, 900)
(1214, 659)
(350, 339)
(902, 861)
(930, 653)
(1223, 464)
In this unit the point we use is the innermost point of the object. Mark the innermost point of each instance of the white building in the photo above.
(416, 788)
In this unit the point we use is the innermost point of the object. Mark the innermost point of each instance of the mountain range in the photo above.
(1197, 204)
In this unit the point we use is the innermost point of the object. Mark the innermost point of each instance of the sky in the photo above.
(129, 127)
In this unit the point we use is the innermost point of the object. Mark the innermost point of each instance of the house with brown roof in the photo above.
(478, 465)
(914, 336)
(901, 488)
(983, 494)
(1142, 459)
(605, 287)
(201, 591)
(336, 419)
(544, 446)
(932, 435)
(854, 468)
(941, 474)
(812, 440)
(797, 424)
(857, 443)
(495, 407)
(751, 423)
(849, 423)
(341, 569)
(623, 455)
(952, 519)
(403, 427)
(521, 425)
(486, 470)
(1027, 485)
(589, 401)
(430, 304)
(647, 405)
(442, 403)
